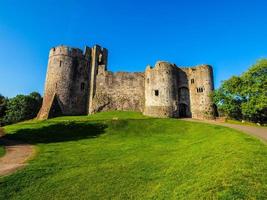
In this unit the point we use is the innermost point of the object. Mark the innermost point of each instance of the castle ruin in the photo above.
(78, 83)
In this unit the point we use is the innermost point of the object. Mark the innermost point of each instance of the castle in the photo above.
(78, 83)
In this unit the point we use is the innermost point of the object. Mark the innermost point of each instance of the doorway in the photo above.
(183, 110)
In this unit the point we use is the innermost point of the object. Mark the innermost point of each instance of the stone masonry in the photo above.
(78, 83)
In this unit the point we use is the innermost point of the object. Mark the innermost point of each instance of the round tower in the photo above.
(201, 88)
(161, 92)
(67, 80)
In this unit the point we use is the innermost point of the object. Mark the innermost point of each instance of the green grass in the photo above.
(124, 155)
(231, 121)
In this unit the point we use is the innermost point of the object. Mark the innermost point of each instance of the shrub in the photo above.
(22, 107)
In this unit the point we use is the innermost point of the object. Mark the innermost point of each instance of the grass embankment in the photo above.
(123, 155)
(231, 121)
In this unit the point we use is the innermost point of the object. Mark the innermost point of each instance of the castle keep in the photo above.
(78, 83)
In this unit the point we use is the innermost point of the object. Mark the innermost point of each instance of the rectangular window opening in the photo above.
(199, 90)
(82, 86)
(156, 93)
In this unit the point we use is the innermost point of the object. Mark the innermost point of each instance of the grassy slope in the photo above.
(231, 121)
(134, 157)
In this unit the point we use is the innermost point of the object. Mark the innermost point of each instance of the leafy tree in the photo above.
(37, 101)
(3, 104)
(254, 89)
(36, 96)
(228, 99)
(22, 107)
(3, 107)
(245, 97)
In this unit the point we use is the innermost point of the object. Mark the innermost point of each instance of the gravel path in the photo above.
(259, 132)
(15, 157)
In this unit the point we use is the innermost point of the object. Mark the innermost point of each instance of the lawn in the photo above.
(124, 155)
(231, 121)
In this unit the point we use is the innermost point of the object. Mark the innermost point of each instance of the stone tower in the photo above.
(161, 92)
(171, 91)
(70, 80)
(67, 82)
(201, 85)
(99, 59)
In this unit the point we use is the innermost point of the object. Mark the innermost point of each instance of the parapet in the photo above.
(203, 66)
(66, 51)
(162, 66)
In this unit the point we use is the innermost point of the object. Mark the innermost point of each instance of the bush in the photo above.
(22, 107)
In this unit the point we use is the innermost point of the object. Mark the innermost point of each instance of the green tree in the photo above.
(37, 102)
(22, 107)
(254, 89)
(3, 107)
(245, 96)
(228, 99)
(3, 104)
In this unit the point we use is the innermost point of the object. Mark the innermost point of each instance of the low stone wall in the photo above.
(159, 111)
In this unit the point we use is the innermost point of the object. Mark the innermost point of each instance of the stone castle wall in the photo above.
(118, 91)
(79, 83)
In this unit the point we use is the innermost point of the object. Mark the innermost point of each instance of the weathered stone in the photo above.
(68, 79)
(78, 83)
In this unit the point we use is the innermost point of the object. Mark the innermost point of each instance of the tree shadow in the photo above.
(58, 133)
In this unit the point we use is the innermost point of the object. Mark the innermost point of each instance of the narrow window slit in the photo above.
(156, 93)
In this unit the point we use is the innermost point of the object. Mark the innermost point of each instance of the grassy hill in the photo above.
(124, 155)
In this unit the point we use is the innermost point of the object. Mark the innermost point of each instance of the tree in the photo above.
(228, 99)
(254, 89)
(245, 96)
(22, 107)
(3, 107)
(37, 102)
(3, 104)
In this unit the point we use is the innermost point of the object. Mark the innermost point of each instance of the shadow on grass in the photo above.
(58, 133)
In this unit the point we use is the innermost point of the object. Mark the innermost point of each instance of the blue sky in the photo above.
(228, 34)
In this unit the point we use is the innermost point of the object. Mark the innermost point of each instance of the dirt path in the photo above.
(259, 132)
(15, 156)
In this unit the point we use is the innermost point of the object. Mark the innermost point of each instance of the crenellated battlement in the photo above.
(66, 51)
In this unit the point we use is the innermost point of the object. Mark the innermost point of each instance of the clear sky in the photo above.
(228, 34)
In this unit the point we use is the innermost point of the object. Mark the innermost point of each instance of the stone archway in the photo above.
(183, 94)
(184, 102)
(183, 110)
